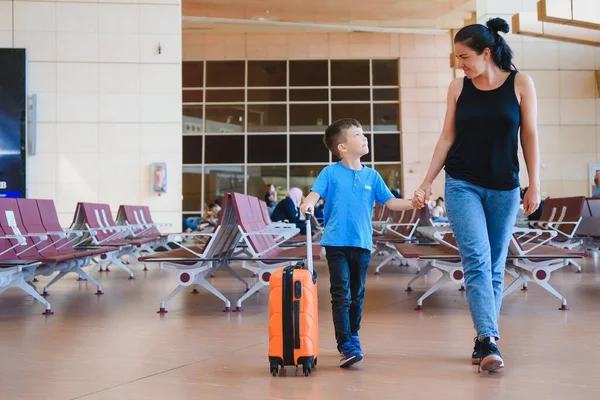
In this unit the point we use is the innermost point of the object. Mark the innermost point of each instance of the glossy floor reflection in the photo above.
(116, 347)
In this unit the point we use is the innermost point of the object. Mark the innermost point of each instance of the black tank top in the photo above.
(487, 123)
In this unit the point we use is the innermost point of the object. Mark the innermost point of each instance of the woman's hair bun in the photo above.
(498, 25)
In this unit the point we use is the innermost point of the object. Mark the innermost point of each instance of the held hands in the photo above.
(421, 196)
(531, 201)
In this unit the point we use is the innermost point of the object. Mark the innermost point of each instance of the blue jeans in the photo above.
(347, 273)
(482, 221)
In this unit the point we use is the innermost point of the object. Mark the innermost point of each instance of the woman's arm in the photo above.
(443, 145)
(529, 140)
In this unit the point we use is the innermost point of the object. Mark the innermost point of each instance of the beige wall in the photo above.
(108, 104)
(424, 78)
(568, 103)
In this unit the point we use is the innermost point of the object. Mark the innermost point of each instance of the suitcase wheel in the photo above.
(274, 369)
(306, 370)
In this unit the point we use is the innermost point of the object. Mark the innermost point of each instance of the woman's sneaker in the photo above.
(490, 357)
(475, 357)
(350, 355)
(356, 342)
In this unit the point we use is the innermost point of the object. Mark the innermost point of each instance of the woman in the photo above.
(288, 210)
(478, 147)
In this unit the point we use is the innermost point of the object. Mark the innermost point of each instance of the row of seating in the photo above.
(34, 243)
(536, 249)
(136, 234)
(243, 233)
(261, 248)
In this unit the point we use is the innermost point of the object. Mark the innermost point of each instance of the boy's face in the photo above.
(355, 145)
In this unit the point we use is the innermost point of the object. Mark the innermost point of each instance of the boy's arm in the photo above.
(309, 203)
(384, 196)
(399, 204)
(318, 190)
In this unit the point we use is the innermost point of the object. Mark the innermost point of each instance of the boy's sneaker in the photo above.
(350, 355)
(356, 342)
(489, 356)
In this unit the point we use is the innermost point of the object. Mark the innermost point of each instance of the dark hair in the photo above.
(335, 133)
(479, 37)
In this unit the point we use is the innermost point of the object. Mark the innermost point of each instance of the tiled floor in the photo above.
(117, 347)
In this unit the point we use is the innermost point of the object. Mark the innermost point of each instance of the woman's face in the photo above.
(469, 61)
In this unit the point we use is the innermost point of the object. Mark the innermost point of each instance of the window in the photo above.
(192, 149)
(219, 180)
(391, 174)
(192, 74)
(192, 188)
(387, 147)
(225, 73)
(261, 176)
(385, 73)
(350, 94)
(386, 94)
(267, 118)
(224, 149)
(267, 95)
(304, 176)
(385, 117)
(264, 149)
(249, 123)
(225, 96)
(350, 73)
(309, 73)
(308, 148)
(192, 119)
(267, 73)
(360, 112)
(224, 119)
(192, 96)
(309, 117)
(309, 95)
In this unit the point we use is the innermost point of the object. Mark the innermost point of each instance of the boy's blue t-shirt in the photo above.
(349, 206)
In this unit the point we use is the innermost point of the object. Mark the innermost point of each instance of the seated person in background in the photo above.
(438, 212)
(288, 210)
(211, 215)
(597, 183)
(270, 197)
(192, 223)
(319, 210)
(217, 208)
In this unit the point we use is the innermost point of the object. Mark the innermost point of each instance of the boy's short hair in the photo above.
(334, 134)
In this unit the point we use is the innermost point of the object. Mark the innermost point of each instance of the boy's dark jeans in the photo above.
(347, 274)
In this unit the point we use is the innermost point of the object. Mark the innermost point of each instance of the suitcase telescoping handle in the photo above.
(309, 255)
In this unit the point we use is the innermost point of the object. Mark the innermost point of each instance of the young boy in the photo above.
(351, 189)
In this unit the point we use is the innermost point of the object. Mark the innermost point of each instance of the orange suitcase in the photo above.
(293, 315)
